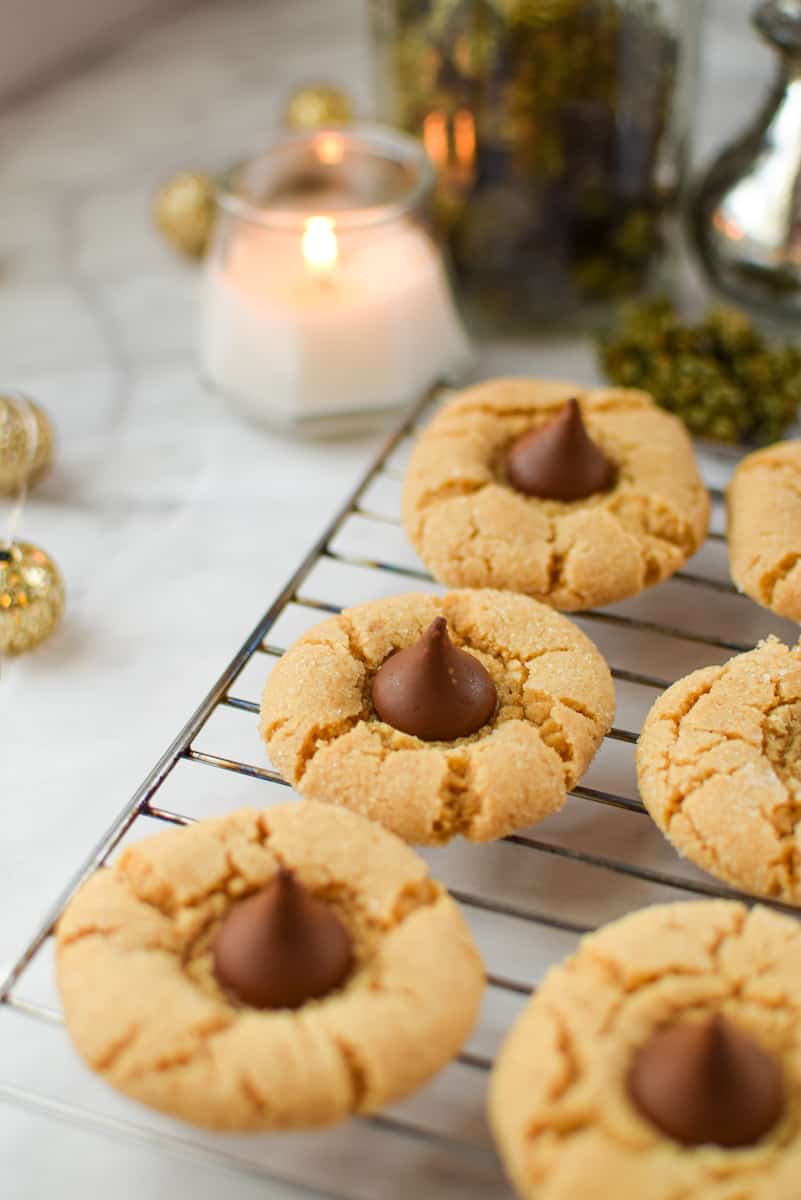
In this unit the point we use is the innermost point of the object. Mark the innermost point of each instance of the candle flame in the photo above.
(330, 148)
(435, 138)
(320, 248)
(464, 136)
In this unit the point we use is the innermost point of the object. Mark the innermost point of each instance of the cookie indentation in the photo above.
(782, 743)
(432, 689)
(559, 461)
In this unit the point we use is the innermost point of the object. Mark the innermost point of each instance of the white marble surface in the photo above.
(173, 523)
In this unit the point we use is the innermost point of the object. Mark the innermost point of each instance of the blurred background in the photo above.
(43, 38)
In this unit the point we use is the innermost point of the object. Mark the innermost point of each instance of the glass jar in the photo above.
(325, 297)
(559, 132)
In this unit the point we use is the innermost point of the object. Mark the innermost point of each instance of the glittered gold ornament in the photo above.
(31, 597)
(184, 209)
(317, 105)
(26, 443)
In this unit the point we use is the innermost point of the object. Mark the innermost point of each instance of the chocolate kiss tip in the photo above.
(707, 1082)
(559, 461)
(433, 690)
(437, 630)
(282, 947)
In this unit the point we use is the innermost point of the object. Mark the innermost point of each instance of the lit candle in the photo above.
(315, 314)
(320, 246)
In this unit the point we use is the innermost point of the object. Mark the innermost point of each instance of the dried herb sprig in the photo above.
(721, 376)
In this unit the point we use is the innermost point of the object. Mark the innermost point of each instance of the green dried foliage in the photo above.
(571, 101)
(722, 377)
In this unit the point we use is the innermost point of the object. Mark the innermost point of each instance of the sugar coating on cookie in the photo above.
(473, 529)
(560, 1105)
(719, 769)
(555, 703)
(764, 528)
(144, 1009)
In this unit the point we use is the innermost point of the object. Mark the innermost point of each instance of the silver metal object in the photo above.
(528, 898)
(746, 212)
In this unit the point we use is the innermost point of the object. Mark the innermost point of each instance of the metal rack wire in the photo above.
(601, 859)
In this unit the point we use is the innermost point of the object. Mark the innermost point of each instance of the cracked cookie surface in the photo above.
(143, 1007)
(472, 529)
(719, 768)
(764, 528)
(559, 1104)
(555, 703)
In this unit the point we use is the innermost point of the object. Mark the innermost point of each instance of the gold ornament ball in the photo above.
(31, 597)
(184, 209)
(21, 463)
(317, 105)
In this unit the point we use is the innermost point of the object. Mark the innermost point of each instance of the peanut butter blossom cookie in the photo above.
(764, 528)
(270, 970)
(577, 497)
(472, 713)
(719, 767)
(663, 1060)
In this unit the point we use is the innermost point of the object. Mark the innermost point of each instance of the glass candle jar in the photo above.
(325, 296)
(559, 132)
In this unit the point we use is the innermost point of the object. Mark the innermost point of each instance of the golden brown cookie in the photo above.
(143, 1006)
(719, 768)
(555, 703)
(560, 1106)
(472, 529)
(764, 528)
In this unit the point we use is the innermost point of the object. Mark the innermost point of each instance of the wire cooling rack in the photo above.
(528, 898)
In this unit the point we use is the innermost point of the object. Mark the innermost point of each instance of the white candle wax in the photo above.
(368, 323)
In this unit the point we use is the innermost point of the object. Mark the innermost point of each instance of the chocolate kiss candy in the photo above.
(707, 1082)
(559, 461)
(281, 947)
(434, 690)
